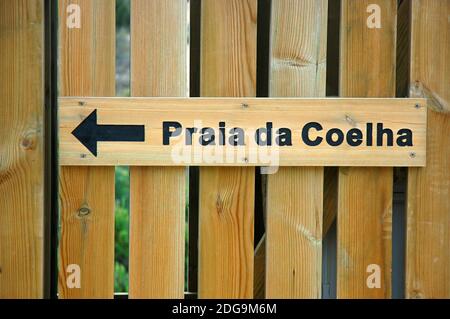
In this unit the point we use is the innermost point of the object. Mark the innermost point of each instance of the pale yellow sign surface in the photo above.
(242, 132)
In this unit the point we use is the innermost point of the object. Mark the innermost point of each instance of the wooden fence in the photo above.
(317, 48)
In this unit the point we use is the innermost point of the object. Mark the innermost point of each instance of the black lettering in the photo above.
(237, 138)
(267, 131)
(170, 129)
(381, 132)
(340, 137)
(208, 136)
(369, 129)
(405, 137)
(354, 137)
(221, 133)
(284, 137)
(190, 131)
(305, 134)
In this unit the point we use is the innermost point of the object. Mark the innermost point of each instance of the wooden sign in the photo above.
(242, 132)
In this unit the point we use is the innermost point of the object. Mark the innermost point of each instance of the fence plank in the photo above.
(226, 206)
(295, 195)
(87, 68)
(428, 212)
(22, 149)
(158, 195)
(367, 69)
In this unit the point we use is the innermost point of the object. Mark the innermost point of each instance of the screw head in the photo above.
(244, 105)
(417, 106)
(412, 155)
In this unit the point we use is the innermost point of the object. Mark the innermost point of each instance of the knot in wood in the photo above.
(28, 142)
(84, 211)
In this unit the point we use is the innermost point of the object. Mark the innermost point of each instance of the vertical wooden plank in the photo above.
(367, 69)
(295, 195)
(226, 233)
(226, 205)
(22, 149)
(428, 212)
(158, 195)
(87, 68)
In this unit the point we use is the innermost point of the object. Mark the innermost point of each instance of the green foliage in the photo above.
(122, 187)
(121, 236)
(121, 233)
(120, 278)
(123, 14)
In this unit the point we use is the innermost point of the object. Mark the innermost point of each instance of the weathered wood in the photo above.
(294, 234)
(157, 195)
(298, 49)
(226, 233)
(428, 212)
(22, 149)
(343, 114)
(87, 68)
(364, 231)
(87, 231)
(228, 68)
(157, 229)
(295, 195)
(367, 69)
(228, 47)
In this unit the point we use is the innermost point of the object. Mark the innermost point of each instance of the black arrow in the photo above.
(89, 133)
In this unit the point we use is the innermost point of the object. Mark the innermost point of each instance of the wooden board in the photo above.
(226, 233)
(428, 213)
(295, 194)
(364, 224)
(87, 67)
(294, 234)
(157, 195)
(22, 149)
(226, 205)
(149, 114)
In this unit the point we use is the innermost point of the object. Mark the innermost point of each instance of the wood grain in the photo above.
(364, 231)
(294, 234)
(157, 232)
(295, 195)
(87, 231)
(367, 69)
(22, 149)
(228, 48)
(226, 233)
(294, 114)
(226, 207)
(87, 68)
(428, 212)
(157, 194)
